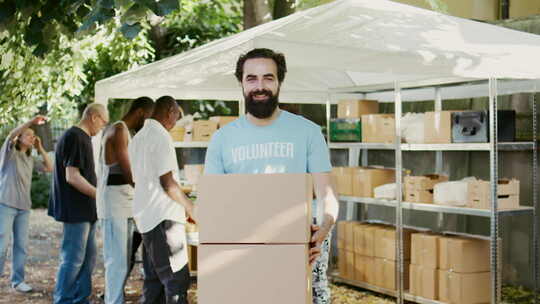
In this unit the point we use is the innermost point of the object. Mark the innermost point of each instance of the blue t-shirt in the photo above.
(291, 144)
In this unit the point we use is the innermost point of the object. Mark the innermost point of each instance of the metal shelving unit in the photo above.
(492, 147)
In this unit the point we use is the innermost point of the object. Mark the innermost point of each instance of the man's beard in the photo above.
(262, 109)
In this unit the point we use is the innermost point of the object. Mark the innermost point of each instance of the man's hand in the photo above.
(317, 238)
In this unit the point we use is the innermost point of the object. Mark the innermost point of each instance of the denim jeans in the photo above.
(117, 243)
(14, 222)
(77, 261)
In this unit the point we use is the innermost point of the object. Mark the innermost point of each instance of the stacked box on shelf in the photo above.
(364, 252)
(202, 130)
(419, 189)
(479, 195)
(438, 127)
(385, 257)
(464, 271)
(366, 179)
(378, 128)
(343, 179)
(223, 120)
(347, 126)
(243, 243)
(345, 244)
(357, 108)
(424, 265)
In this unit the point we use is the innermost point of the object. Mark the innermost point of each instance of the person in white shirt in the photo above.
(114, 198)
(160, 207)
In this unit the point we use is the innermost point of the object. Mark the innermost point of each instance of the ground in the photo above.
(45, 237)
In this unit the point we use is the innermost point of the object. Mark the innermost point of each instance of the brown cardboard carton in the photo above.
(203, 130)
(358, 242)
(343, 179)
(424, 182)
(366, 240)
(425, 250)
(177, 133)
(385, 240)
(463, 254)
(464, 288)
(385, 274)
(223, 120)
(378, 128)
(364, 269)
(479, 195)
(438, 127)
(231, 209)
(357, 108)
(424, 282)
(346, 264)
(341, 226)
(247, 274)
(365, 179)
(523, 8)
(419, 196)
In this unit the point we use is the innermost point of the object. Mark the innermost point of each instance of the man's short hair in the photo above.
(145, 103)
(95, 108)
(164, 104)
(278, 58)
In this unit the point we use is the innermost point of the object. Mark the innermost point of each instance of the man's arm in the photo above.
(324, 190)
(174, 191)
(75, 179)
(120, 150)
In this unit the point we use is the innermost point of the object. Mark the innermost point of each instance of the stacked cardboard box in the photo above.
(438, 127)
(202, 130)
(463, 275)
(419, 189)
(253, 248)
(345, 244)
(424, 265)
(360, 181)
(385, 257)
(357, 108)
(364, 252)
(378, 128)
(479, 195)
(343, 179)
(177, 133)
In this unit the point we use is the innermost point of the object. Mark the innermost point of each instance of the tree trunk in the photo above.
(283, 8)
(256, 12)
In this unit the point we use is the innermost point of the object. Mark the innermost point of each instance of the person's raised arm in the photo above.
(38, 120)
(47, 163)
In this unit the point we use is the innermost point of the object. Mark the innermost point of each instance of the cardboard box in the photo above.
(364, 239)
(385, 274)
(365, 179)
(479, 195)
(425, 250)
(231, 209)
(378, 128)
(203, 130)
(177, 133)
(223, 120)
(424, 182)
(463, 254)
(464, 288)
(385, 238)
(193, 173)
(364, 269)
(346, 265)
(524, 8)
(424, 282)
(357, 108)
(246, 274)
(419, 196)
(343, 180)
(438, 127)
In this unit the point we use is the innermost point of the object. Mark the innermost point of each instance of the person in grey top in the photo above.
(16, 166)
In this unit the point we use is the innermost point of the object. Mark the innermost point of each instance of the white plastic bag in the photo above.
(387, 191)
(412, 128)
(452, 193)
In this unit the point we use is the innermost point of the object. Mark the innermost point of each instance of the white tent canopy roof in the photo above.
(344, 44)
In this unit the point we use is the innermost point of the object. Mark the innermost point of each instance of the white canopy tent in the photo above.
(344, 46)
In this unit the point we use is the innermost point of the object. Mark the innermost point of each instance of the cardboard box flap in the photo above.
(255, 208)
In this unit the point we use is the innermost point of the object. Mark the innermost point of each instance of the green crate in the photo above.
(345, 130)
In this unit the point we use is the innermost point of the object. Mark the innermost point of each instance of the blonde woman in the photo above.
(16, 166)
